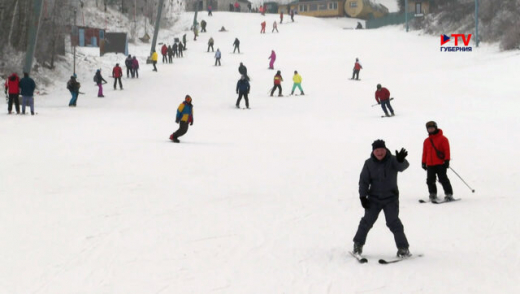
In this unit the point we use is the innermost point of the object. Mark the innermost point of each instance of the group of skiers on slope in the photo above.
(263, 24)
(378, 189)
(14, 87)
(171, 51)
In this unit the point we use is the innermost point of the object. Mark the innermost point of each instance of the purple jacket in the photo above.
(273, 56)
(135, 63)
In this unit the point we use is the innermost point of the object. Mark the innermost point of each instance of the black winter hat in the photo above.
(431, 124)
(378, 144)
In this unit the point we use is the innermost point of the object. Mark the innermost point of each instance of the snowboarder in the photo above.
(170, 54)
(436, 161)
(164, 52)
(27, 87)
(277, 84)
(203, 26)
(383, 98)
(273, 58)
(117, 73)
(242, 69)
(128, 64)
(356, 69)
(237, 45)
(73, 86)
(275, 27)
(378, 191)
(12, 87)
(297, 79)
(262, 30)
(98, 79)
(135, 67)
(217, 57)
(243, 88)
(184, 118)
(210, 44)
(154, 60)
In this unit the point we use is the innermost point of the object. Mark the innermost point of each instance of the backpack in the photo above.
(95, 80)
(69, 86)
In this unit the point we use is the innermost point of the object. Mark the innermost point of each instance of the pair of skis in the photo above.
(361, 259)
(438, 201)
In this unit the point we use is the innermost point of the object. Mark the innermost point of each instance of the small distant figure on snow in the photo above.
(170, 54)
(275, 27)
(135, 67)
(164, 52)
(210, 44)
(128, 64)
(203, 26)
(281, 16)
(292, 15)
(356, 69)
(237, 45)
(27, 87)
(243, 89)
(184, 118)
(383, 98)
(73, 86)
(359, 26)
(12, 88)
(210, 10)
(117, 73)
(98, 79)
(277, 84)
(242, 69)
(273, 59)
(222, 29)
(262, 30)
(155, 56)
(217, 57)
(297, 79)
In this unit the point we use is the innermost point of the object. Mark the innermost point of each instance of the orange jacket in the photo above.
(441, 143)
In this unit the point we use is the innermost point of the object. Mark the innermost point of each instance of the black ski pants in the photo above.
(391, 210)
(236, 47)
(120, 83)
(164, 59)
(279, 90)
(434, 171)
(129, 70)
(211, 46)
(217, 60)
(240, 95)
(13, 98)
(183, 128)
(356, 74)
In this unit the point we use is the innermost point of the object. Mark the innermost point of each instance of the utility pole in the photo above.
(75, 30)
(476, 23)
(406, 13)
(32, 35)
(157, 25)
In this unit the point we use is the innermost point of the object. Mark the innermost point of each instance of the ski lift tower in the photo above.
(156, 31)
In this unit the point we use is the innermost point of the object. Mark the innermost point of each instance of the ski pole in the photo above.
(379, 103)
(472, 190)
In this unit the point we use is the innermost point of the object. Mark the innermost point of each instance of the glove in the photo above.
(401, 155)
(378, 102)
(176, 121)
(447, 164)
(191, 123)
(424, 166)
(365, 202)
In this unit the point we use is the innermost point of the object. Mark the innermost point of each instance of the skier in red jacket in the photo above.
(12, 87)
(436, 161)
(164, 52)
(117, 73)
(383, 98)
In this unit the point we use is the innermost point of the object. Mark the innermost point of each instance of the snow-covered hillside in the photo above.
(96, 199)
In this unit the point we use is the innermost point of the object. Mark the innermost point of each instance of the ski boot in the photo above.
(403, 253)
(448, 197)
(433, 197)
(358, 248)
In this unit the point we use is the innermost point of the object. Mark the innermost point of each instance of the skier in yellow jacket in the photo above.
(297, 79)
(154, 60)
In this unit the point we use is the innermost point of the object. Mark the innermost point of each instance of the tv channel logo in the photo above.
(464, 47)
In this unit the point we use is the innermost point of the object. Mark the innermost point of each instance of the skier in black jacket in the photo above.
(243, 89)
(378, 191)
(242, 69)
